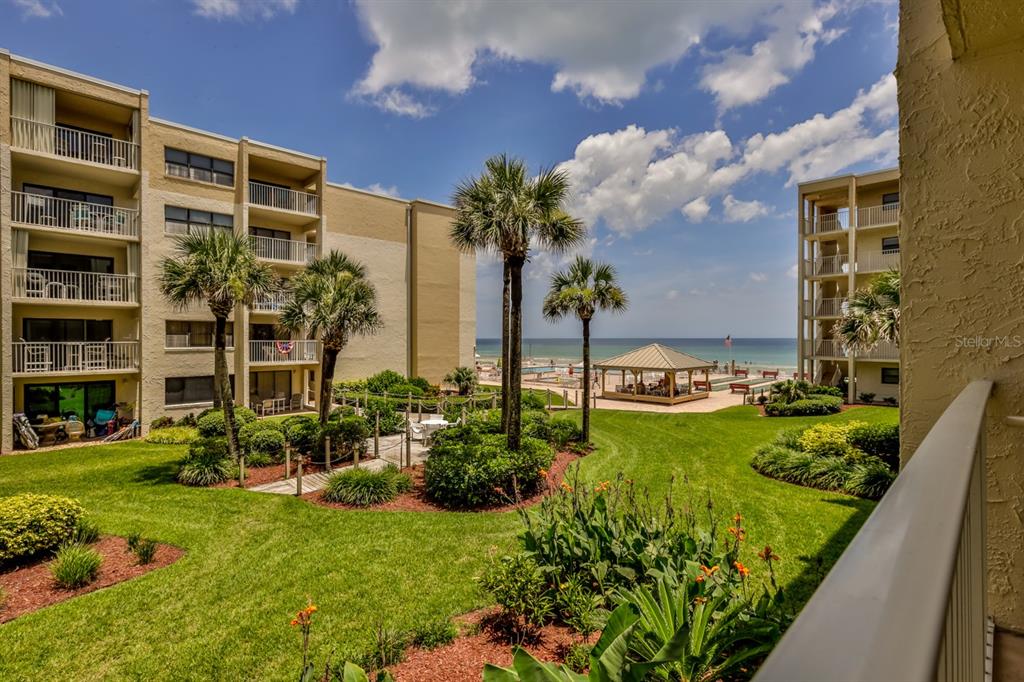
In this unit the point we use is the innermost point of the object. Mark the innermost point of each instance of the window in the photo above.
(265, 385)
(190, 221)
(47, 260)
(56, 331)
(193, 334)
(69, 194)
(80, 399)
(269, 233)
(890, 198)
(890, 375)
(890, 244)
(183, 164)
(190, 390)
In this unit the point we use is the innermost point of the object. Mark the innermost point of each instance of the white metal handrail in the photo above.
(283, 350)
(262, 194)
(79, 216)
(884, 350)
(40, 357)
(830, 348)
(824, 223)
(830, 307)
(907, 599)
(289, 250)
(877, 216)
(837, 264)
(194, 341)
(271, 303)
(71, 285)
(74, 144)
(877, 261)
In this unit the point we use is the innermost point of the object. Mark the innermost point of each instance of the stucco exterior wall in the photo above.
(962, 253)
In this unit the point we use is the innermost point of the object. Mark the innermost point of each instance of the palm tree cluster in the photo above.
(872, 314)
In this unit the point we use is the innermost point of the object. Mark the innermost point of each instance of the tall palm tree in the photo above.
(583, 289)
(872, 314)
(218, 268)
(503, 211)
(333, 300)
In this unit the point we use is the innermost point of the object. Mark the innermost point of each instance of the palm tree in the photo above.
(582, 290)
(333, 300)
(218, 268)
(503, 211)
(872, 314)
(463, 378)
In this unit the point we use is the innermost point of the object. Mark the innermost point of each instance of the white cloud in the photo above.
(37, 9)
(758, 277)
(376, 188)
(737, 211)
(243, 9)
(792, 272)
(402, 103)
(672, 294)
(795, 30)
(633, 177)
(601, 53)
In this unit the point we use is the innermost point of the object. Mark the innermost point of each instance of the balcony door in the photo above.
(266, 385)
(82, 399)
(57, 331)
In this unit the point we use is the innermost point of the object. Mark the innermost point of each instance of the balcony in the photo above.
(74, 144)
(283, 199)
(830, 348)
(271, 303)
(74, 216)
(68, 286)
(283, 250)
(828, 223)
(885, 350)
(828, 266)
(284, 351)
(907, 599)
(878, 216)
(825, 307)
(75, 357)
(194, 341)
(878, 261)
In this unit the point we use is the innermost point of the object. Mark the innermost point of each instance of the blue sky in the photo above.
(683, 125)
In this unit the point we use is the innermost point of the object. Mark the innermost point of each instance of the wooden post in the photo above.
(565, 399)
(298, 479)
(463, 414)
(419, 408)
(575, 398)
(408, 407)
(327, 453)
(344, 400)
(287, 461)
(549, 398)
(408, 441)
(494, 401)
(376, 437)
(241, 470)
(355, 455)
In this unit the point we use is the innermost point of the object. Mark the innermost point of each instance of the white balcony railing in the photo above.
(262, 194)
(825, 223)
(288, 250)
(830, 348)
(830, 307)
(70, 285)
(907, 599)
(74, 144)
(271, 303)
(193, 341)
(32, 357)
(283, 351)
(884, 350)
(77, 216)
(878, 261)
(878, 216)
(838, 264)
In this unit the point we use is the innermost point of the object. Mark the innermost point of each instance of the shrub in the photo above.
(828, 440)
(577, 606)
(363, 487)
(387, 647)
(821, 389)
(517, 584)
(144, 551)
(348, 435)
(535, 424)
(484, 471)
(533, 401)
(133, 540)
(392, 420)
(258, 460)
(384, 381)
(30, 524)
(267, 442)
(87, 531)
(870, 477)
(807, 407)
(422, 384)
(340, 412)
(188, 420)
(207, 463)
(878, 440)
(75, 566)
(173, 435)
(867, 397)
(561, 432)
(577, 658)
(161, 422)
(405, 390)
(889, 400)
(433, 633)
(211, 423)
(301, 432)
(246, 432)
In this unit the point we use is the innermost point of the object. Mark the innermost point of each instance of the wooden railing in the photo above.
(77, 216)
(262, 194)
(80, 357)
(74, 144)
(288, 250)
(71, 285)
(283, 351)
(907, 599)
(877, 216)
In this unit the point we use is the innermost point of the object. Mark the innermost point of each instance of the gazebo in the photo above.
(655, 359)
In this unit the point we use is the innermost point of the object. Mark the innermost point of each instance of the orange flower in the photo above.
(544, 473)
(709, 571)
(737, 518)
(767, 554)
(699, 578)
(738, 533)
(743, 570)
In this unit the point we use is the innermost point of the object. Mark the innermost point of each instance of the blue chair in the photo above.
(103, 420)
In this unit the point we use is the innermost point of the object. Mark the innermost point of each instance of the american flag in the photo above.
(728, 341)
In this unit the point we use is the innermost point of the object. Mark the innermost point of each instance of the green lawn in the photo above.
(222, 611)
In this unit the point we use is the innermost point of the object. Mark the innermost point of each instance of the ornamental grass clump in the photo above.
(363, 487)
(75, 566)
(207, 463)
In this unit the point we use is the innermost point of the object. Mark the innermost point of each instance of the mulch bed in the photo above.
(31, 587)
(259, 475)
(463, 660)
(416, 499)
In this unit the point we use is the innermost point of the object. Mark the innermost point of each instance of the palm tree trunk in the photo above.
(220, 372)
(326, 399)
(586, 379)
(515, 355)
(505, 293)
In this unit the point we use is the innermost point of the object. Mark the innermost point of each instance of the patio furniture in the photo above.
(94, 356)
(267, 406)
(75, 430)
(37, 358)
(55, 290)
(81, 216)
(105, 421)
(296, 402)
(35, 284)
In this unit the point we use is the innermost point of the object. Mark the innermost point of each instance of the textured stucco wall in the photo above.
(962, 214)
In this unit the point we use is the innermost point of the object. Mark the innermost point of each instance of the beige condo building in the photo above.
(94, 192)
(847, 234)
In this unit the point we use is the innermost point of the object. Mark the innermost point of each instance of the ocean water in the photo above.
(766, 353)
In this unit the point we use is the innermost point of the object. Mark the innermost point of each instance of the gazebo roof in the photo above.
(655, 358)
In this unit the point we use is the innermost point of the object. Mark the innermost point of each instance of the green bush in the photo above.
(387, 648)
(829, 440)
(348, 435)
(806, 407)
(268, 442)
(246, 432)
(31, 523)
(211, 423)
(535, 424)
(341, 411)
(533, 401)
(405, 390)
(259, 460)
(87, 531)
(867, 397)
(577, 658)
(519, 587)
(562, 432)
(173, 435)
(577, 605)
(363, 487)
(878, 440)
(821, 389)
(75, 566)
(301, 432)
(870, 477)
(422, 384)
(161, 422)
(434, 633)
(384, 381)
(483, 471)
(207, 463)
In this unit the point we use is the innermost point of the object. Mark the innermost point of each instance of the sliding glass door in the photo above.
(81, 399)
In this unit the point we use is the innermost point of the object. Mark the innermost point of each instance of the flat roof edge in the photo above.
(73, 74)
(286, 150)
(191, 129)
(843, 176)
(360, 190)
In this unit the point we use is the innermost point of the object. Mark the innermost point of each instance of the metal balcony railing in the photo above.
(884, 350)
(285, 199)
(80, 357)
(71, 285)
(194, 341)
(77, 216)
(270, 303)
(830, 307)
(907, 599)
(74, 144)
(878, 261)
(283, 351)
(878, 216)
(825, 223)
(288, 250)
(821, 266)
(831, 348)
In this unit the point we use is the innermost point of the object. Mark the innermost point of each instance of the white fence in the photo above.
(79, 216)
(36, 357)
(70, 285)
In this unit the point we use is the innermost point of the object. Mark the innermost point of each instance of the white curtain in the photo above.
(33, 104)
(132, 269)
(19, 244)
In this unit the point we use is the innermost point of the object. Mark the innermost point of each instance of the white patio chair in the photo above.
(94, 356)
(35, 284)
(37, 358)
